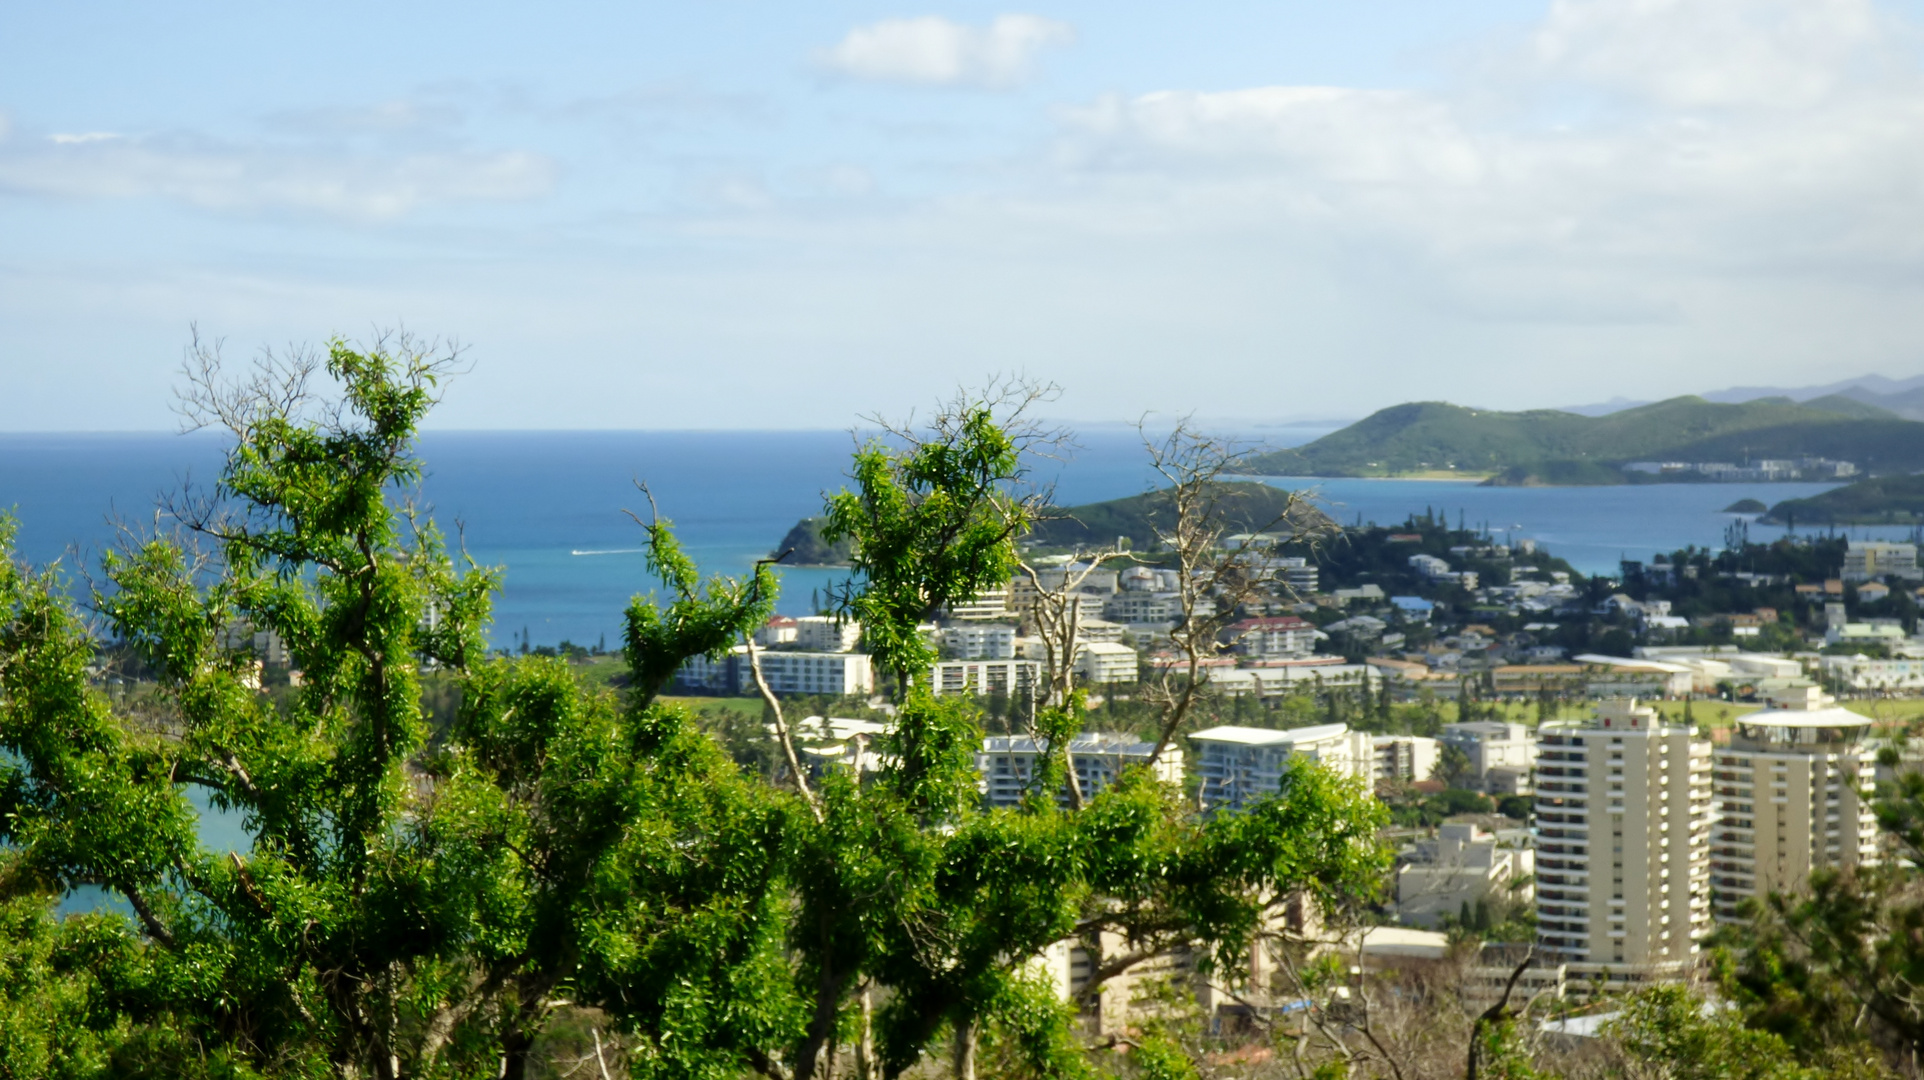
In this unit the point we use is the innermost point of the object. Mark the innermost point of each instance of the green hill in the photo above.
(1882, 500)
(1846, 406)
(809, 549)
(1873, 445)
(1551, 447)
(1246, 506)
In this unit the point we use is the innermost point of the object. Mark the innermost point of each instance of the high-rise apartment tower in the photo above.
(1793, 794)
(1623, 808)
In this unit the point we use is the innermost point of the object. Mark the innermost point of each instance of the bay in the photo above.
(548, 506)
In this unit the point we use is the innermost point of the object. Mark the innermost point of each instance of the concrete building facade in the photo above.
(979, 641)
(1239, 765)
(1403, 758)
(1101, 663)
(1623, 811)
(1501, 755)
(824, 633)
(842, 674)
(1008, 764)
(1463, 867)
(986, 678)
(1868, 560)
(1793, 792)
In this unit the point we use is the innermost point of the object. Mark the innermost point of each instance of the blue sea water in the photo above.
(547, 506)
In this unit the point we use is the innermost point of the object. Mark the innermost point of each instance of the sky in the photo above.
(737, 214)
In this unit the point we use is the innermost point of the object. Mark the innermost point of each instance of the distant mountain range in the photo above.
(1902, 397)
(1549, 446)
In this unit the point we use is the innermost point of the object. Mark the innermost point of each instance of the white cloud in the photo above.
(1743, 135)
(934, 51)
(223, 177)
(1697, 53)
(81, 137)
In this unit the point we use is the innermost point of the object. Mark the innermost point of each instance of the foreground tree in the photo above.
(1833, 968)
(427, 898)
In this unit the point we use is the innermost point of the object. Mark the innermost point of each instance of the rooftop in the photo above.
(1805, 718)
(1249, 736)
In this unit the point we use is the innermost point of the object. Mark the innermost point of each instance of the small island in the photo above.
(1746, 506)
(1881, 500)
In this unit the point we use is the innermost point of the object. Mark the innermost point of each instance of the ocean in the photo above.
(547, 506)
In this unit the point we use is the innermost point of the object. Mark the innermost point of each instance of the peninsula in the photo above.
(1684, 439)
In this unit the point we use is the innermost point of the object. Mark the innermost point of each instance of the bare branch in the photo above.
(1214, 581)
(782, 735)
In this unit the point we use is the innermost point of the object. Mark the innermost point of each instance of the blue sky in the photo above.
(738, 214)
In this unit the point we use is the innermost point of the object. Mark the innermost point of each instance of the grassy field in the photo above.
(750, 707)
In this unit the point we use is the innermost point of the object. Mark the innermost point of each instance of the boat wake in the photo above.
(610, 551)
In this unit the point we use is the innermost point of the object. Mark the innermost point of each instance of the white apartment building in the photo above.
(841, 674)
(1462, 867)
(825, 633)
(1439, 570)
(1281, 636)
(1868, 560)
(1866, 675)
(1501, 755)
(979, 641)
(992, 603)
(986, 678)
(1008, 764)
(1101, 663)
(1239, 765)
(1793, 789)
(1137, 608)
(1086, 597)
(1406, 758)
(1297, 573)
(1623, 811)
(778, 630)
(1284, 679)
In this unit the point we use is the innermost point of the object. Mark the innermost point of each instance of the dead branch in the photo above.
(1495, 1014)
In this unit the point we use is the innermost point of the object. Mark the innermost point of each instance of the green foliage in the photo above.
(931, 525)
(1453, 765)
(1829, 969)
(452, 856)
(1674, 1034)
(401, 901)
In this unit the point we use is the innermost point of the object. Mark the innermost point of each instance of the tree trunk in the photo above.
(514, 1055)
(965, 1049)
(865, 1042)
